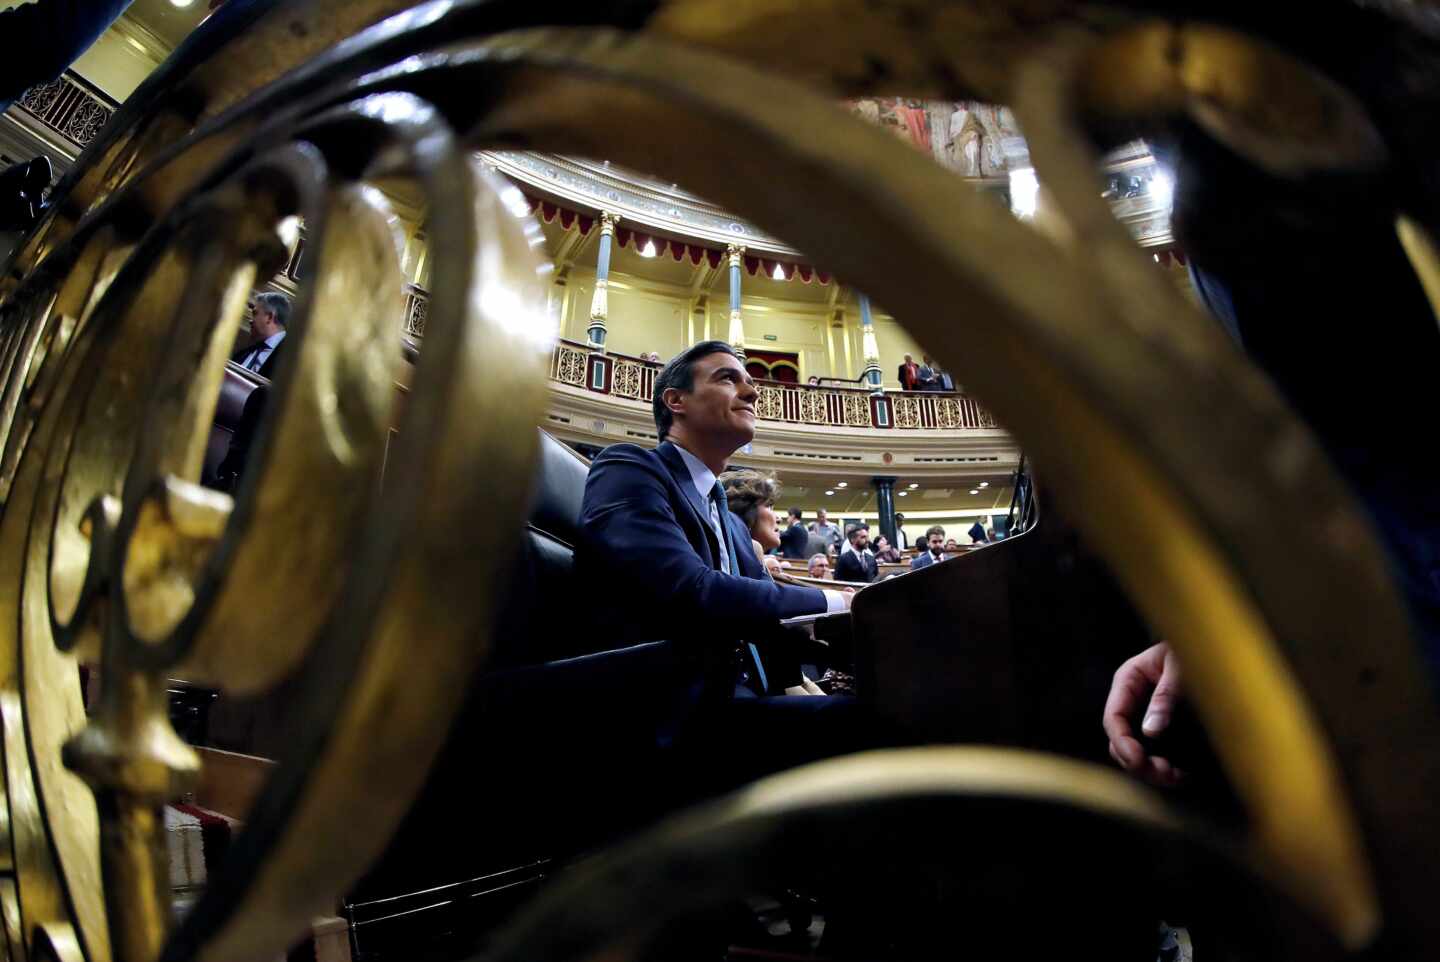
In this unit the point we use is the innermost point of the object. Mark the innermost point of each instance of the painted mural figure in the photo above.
(968, 137)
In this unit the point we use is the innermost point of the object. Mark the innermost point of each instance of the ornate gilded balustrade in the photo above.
(1241, 544)
(70, 107)
(621, 376)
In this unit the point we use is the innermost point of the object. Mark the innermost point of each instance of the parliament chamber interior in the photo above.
(388, 391)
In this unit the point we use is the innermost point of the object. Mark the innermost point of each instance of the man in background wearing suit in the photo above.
(934, 551)
(857, 563)
(268, 316)
(796, 537)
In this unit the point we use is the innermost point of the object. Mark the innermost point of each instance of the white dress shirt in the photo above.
(704, 480)
(260, 352)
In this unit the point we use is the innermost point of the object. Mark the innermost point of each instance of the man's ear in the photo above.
(674, 400)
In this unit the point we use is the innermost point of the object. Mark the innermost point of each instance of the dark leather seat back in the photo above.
(543, 573)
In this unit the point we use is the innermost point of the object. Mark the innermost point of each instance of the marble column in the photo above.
(870, 347)
(600, 303)
(885, 506)
(737, 324)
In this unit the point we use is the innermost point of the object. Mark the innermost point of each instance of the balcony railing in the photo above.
(630, 377)
(70, 107)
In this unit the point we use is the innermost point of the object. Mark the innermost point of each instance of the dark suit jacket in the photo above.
(850, 567)
(794, 540)
(909, 376)
(267, 370)
(648, 558)
(924, 560)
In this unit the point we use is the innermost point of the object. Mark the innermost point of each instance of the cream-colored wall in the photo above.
(795, 329)
(115, 64)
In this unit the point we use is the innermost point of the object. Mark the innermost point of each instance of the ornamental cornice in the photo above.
(597, 186)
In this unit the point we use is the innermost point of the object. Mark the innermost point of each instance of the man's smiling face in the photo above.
(722, 402)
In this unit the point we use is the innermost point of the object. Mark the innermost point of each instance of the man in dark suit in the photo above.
(934, 549)
(909, 374)
(795, 538)
(977, 533)
(664, 559)
(269, 314)
(857, 563)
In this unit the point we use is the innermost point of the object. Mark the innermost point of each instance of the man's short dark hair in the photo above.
(853, 530)
(680, 374)
(934, 530)
(277, 304)
(795, 513)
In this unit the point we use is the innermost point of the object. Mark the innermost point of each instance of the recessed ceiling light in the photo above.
(974, 490)
(842, 484)
(649, 249)
(829, 492)
(182, 3)
(914, 486)
(983, 484)
(904, 493)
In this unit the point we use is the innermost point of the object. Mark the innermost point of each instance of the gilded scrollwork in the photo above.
(109, 549)
(770, 403)
(569, 365)
(626, 379)
(857, 411)
(907, 412)
(813, 407)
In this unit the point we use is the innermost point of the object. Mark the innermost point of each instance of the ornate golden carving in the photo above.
(907, 412)
(625, 380)
(600, 304)
(813, 407)
(770, 403)
(106, 546)
(857, 410)
(569, 366)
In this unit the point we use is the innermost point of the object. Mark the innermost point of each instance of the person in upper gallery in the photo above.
(796, 537)
(658, 545)
(819, 567)
(857, 562)
(909, 374)
(885, 551)
(269, 315)
(977, 532)
(934, 549)
(925, 378)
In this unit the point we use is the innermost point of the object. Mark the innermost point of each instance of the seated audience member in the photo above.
(952, 545)
(934, 551)
(664, 560)
(268, 317)
(795, 538)
(856, 563)
(977, 533)
(820, 566)
(751, 496)
(885, 552)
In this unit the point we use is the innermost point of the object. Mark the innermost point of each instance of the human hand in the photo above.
(1150, 681)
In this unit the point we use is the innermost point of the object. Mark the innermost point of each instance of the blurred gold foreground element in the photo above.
(115, 315)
